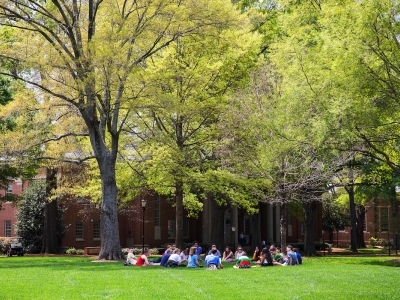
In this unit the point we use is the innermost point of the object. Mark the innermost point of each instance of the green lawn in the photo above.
(70, 277)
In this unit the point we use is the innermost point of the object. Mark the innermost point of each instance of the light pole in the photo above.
(323, 240)
(143, 202)
(234, 237)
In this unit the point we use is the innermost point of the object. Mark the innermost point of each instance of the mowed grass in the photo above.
(70, 277)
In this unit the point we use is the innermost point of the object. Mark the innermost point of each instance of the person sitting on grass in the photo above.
(278, 257)
(242, 262)
(227, 255)
(185, 255)
(175, 259)
(213, 246)
(142, 260)
(165, 257)
(291, 257)
(213, 261)
(193, 261)
(299, 258)
(131, 259)
(257, 254)
(239, 252)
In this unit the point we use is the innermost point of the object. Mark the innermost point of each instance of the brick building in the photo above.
(215, 224)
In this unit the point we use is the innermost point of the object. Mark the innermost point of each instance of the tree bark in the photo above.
(353, 222)
(309, 218)
(110, 242)
(360, 226)
(50, 240)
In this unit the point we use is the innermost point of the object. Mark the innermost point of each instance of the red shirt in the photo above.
(140, 261)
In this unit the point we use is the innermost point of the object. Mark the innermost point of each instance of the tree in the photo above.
(188, 84)
(89, 58)
(31, 217)
(334, 216)
(261, 142)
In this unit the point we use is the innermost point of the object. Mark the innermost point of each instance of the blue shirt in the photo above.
(192, 261)
(299, 259)
(198, 250)
(217, 254)
(212, 259)
(292, 255)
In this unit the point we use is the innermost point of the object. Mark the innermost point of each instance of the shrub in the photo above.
(372, 241)
(80, 251)
(5, 243)
(138, 251)
(71, 250)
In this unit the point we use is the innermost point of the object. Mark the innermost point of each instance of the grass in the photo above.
(71, 277)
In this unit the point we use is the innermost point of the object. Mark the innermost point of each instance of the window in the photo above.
(171, 229)
(79, 230)
(384, 219)
(7, 228)
(96, 229)
(9, 189)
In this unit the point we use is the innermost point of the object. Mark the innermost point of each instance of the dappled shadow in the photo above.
(59, 263)
(386, 263)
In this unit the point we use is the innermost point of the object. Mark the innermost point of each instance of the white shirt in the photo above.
(175, 257)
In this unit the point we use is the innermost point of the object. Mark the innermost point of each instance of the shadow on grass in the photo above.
(386, 263)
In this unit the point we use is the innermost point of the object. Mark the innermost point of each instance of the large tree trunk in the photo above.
(110, 242)
(179, 214)
(360, 226)
(50, 240)
(106, 155)
(309, 218)
(353, 222)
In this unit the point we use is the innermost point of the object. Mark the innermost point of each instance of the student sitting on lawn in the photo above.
(227, 255)
(142, 260)
(242, 262)
(291, 257)
(239, 252)
(213, 261)
(175, 259)
(193, 261)
(131, 259)
(257, 254)
(266, 259)
(165, 257)
(278, 257)
(299, 258)
(185, 255)
(213, 246)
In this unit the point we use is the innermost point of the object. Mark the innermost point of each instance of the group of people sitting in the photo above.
(174, 257)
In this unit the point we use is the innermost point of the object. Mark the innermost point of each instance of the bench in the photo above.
(92, 250)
